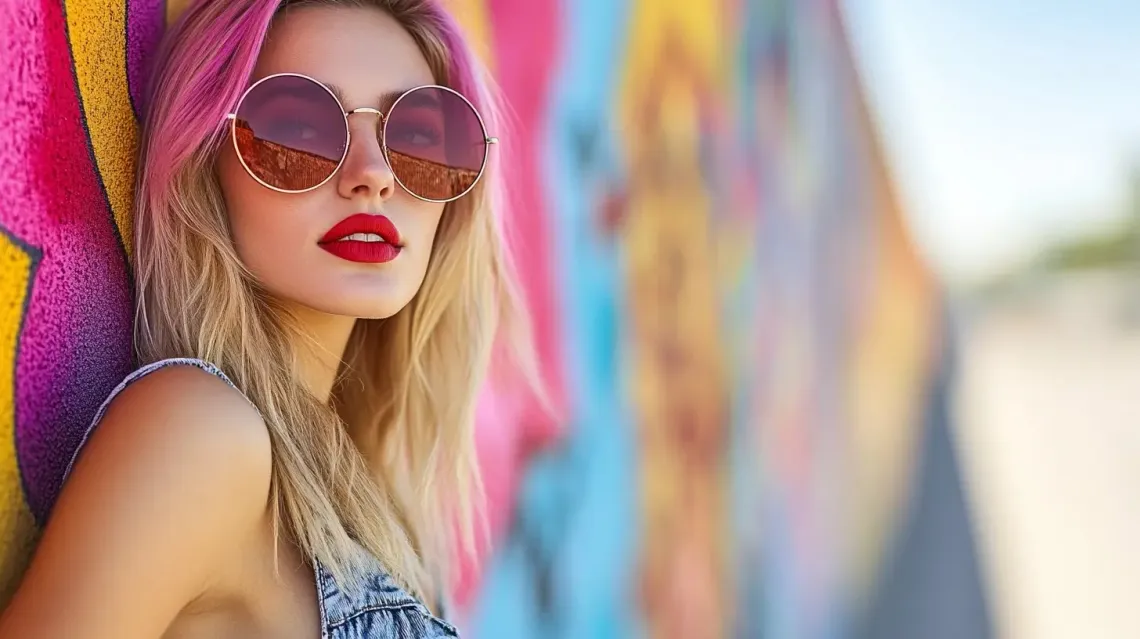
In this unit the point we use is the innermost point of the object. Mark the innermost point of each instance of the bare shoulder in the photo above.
(187, 419)
(170, 484)
(185, 402)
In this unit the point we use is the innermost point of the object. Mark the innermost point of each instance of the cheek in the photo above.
(268, 227)
(427, 217)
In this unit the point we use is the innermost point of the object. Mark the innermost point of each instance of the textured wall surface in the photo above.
(728, 307)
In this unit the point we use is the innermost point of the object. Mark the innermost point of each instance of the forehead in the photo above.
(361, 50)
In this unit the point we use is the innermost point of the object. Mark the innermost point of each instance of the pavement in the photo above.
(1048, 436)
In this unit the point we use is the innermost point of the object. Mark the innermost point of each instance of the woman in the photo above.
(320, 284)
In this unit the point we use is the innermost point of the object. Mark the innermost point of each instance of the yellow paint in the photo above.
(674, 72)
(17, 526)
(473, 16)
(890, 369)
(892, 359)
(97, 32)
(695, 28)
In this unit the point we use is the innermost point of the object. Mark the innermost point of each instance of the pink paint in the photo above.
(75, 342)
(531, 27)
(146, 20)
(511, 425)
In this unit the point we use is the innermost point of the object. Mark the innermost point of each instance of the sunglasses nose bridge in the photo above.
(377, 112)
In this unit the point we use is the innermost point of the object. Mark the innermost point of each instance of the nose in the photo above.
(365, 173)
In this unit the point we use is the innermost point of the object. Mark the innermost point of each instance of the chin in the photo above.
(377, 314)
(360, 309)
(363, 298)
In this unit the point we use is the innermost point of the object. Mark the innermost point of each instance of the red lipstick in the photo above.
(376, 239)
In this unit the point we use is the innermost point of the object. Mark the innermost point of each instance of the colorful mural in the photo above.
(66, 141)
(728, 307)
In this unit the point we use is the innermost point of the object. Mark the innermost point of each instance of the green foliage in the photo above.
(1117, 248)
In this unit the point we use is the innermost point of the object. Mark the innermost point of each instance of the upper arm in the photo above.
(172, 481)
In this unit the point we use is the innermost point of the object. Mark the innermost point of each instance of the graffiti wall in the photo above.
(727, 304)
(750, 345)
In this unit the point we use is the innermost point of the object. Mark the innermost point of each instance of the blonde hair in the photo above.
(389, 463)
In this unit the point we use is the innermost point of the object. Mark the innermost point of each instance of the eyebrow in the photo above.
(423, 98)
(386, 98)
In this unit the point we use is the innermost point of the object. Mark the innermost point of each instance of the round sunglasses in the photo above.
(291, 134)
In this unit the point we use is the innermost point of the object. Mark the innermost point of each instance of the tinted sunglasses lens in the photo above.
(436, 143)
(290, 132)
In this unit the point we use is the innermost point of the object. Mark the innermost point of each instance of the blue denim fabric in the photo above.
(379, 609)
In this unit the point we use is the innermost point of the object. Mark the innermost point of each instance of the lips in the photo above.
(363, 238)
(364, 223)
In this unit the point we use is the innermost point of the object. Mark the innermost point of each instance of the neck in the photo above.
(319, 353)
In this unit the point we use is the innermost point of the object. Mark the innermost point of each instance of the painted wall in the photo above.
(727, 302)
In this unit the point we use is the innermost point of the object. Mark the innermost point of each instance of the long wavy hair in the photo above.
(389, 462)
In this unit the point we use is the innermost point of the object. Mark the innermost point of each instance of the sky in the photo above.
(1007, 123)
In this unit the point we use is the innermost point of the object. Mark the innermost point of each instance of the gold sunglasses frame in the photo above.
(488, 141)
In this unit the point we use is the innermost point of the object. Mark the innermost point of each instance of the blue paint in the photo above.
(574, 540)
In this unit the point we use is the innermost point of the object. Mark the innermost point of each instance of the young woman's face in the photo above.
(283, 238)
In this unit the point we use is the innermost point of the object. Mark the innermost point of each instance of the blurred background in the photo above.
(839, 301)
(845, 309)
(1013, 131)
